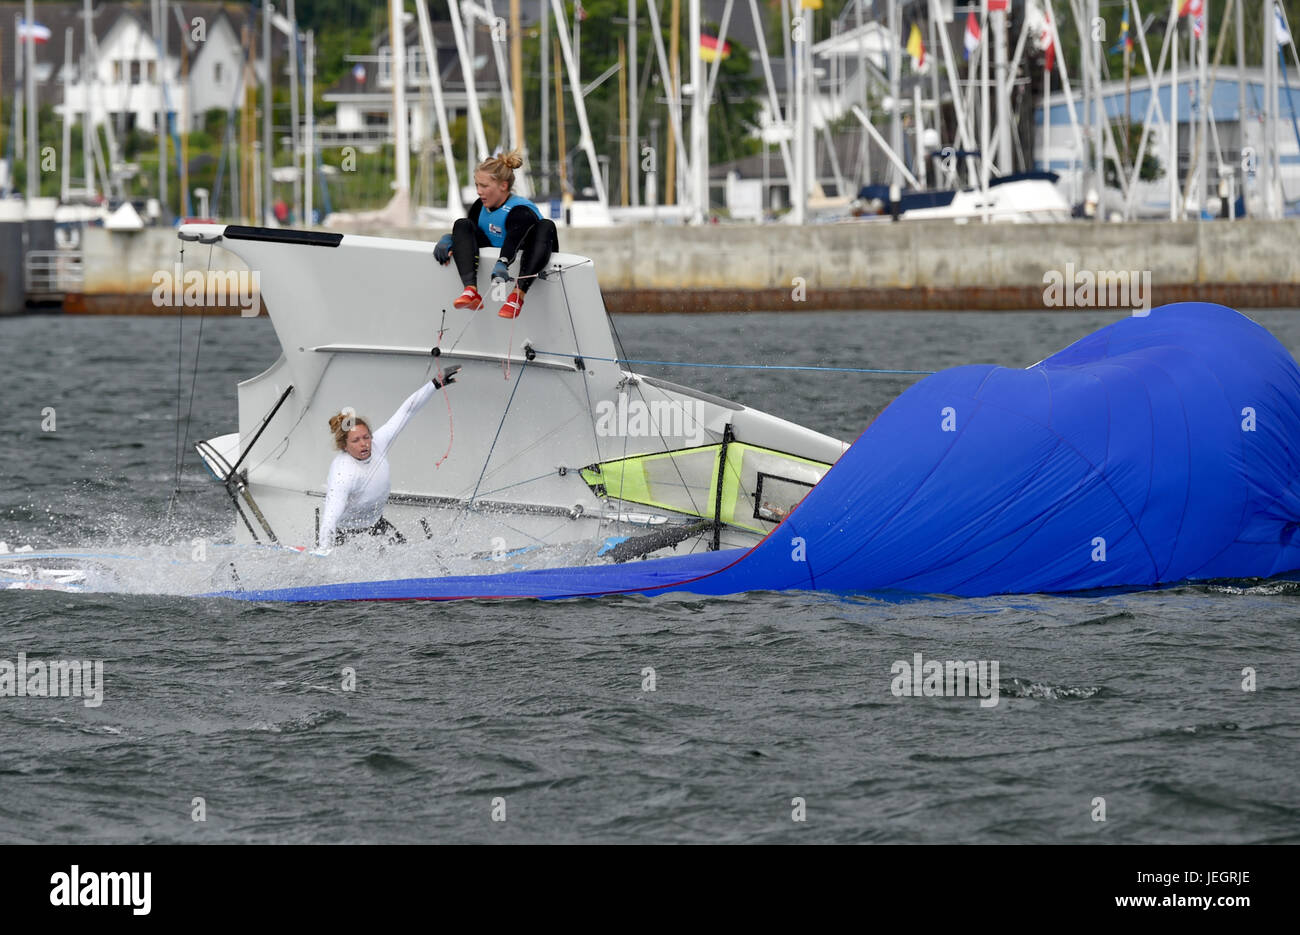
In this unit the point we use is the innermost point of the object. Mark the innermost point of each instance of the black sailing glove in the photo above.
(448, 377)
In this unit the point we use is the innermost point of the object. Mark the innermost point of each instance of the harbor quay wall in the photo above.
(907, 265)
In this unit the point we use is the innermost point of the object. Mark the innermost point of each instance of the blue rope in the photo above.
(683, 363)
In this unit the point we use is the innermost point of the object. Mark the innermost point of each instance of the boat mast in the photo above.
(88, 138)
(633, 110)
(998, 24)
(575, 87)
(544, 12)
(985, 141)
(264, 198)
(1174, 185)
(672, 182)
(1098, 117)
(517, 73)
(435, 82)
(293, 110)
(309, 138)
(699, 116)
(896, 46)
(29, 85)
(1272, 207)
(1203, 108)
(401, 144)
(477, 137)
(65, 185)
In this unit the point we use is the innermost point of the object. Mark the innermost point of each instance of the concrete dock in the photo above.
(853, 265)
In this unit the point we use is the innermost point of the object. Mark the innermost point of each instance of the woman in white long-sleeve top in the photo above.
(359, 478)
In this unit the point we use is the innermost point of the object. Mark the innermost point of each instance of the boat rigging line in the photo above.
(180, 345)
(687, 363)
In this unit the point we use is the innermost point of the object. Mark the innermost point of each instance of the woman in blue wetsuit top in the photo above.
(499, 219)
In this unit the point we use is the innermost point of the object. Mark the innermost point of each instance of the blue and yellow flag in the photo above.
(1125, 42)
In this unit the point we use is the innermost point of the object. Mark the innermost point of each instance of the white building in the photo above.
(202, 68)
(363, 97)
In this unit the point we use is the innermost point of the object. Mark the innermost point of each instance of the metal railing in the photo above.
(54, 272)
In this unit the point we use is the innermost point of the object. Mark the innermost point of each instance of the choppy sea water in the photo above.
(765, 707)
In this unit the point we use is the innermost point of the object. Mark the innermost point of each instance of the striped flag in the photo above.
(971, 41)
(916, 47)
(33, 32)
(709, 48)
(1125, 42)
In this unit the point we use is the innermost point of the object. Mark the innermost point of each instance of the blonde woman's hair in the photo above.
(502, 168)
(342, 423)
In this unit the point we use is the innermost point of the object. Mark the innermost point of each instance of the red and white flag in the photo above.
(33, 32)
(971, 41)
(1046, 44)
(1196, 10)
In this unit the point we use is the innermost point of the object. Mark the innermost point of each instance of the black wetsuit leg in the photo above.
(385, 528)
(381, 528)
(535, 250)
(466, 239)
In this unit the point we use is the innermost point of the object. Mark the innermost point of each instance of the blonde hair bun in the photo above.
(342, 423)
(502, 167)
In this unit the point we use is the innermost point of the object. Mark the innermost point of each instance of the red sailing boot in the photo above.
(513, 305)
(469, 299)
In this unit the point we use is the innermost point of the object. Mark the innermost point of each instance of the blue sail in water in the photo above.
(1162, 448)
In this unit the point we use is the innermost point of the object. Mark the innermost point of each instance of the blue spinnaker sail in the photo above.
(1160, 449)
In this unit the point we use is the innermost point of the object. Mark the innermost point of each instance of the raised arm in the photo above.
(387, 433)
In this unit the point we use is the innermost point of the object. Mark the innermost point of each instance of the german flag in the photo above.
(709, 48)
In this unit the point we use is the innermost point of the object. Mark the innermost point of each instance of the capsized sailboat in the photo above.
(1163, 448)
(544, 440)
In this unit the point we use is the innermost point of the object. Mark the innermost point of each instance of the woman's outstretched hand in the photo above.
(448, 377)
